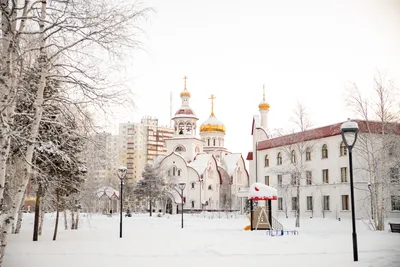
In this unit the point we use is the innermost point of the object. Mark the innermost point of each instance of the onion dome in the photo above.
(263, 104)
(212, 124)
(185, 111)
(185, 92)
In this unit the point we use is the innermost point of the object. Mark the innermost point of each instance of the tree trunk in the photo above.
(297, 224)
(77, 220)
(42, 213)
(72, 220)
(37, 214)
(57, 215)
(65, 219)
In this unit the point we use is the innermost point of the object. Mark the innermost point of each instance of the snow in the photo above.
(230, 161)
(261, 191)
(207, 240)
(107, 191)
(200, 163)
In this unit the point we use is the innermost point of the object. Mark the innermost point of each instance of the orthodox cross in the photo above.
(212, 97)
(263, 92)
(185, 78)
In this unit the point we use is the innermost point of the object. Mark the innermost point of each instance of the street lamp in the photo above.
(121, 175)
(182, 187)
(349, 135)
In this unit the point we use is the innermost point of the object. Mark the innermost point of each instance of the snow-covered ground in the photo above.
(204, 241)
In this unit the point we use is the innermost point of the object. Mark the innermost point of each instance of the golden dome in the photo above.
(212, 124)
(263, 106)
(185, 93)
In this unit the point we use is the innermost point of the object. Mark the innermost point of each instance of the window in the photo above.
(193, 184)
(279, 159)
(213, 141)
(210, 187)
(345, 202)
(208, 141)
(181, 127)
(324, 151)
(326, 202)
(395, 202)
(279, 179)
(266, 161)
(309, 203)
(192, 204)
(394, 175)
(343, 174)
(293, 157)
(308, 154)
(293, 179)
(189, 127)
(294, 203)
(267, 180)
(173, 171)
(180, 149)
(309, 177)
(280, 203)
(343, 149)
(179, 172)
(325, 176)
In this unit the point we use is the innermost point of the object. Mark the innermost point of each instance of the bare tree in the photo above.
(297, 145)
(378, 146)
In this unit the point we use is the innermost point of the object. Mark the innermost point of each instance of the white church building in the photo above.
(321, 159)
(213, 176)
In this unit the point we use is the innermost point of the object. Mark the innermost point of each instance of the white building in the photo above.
(319, 158)
(212, 175)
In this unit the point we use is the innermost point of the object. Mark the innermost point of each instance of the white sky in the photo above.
(303, 51)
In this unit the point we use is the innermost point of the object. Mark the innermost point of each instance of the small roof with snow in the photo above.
(200, 163)
(107, 191)
(260, 191)
(231, 161)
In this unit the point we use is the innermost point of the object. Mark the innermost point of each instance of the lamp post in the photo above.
(121, 175)
(182, 187)
(349, 135)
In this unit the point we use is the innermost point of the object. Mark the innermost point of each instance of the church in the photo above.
(197, 157)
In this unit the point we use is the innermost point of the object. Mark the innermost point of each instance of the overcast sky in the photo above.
(303, 51)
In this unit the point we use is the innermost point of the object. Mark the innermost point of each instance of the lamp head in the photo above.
(122, 172)
(182, 186)
(349, 133)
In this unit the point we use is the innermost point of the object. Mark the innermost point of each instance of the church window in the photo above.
(197, 149)
(266, 161)
(193, 184)
(188, 127)
(279, 159)
(174, 169)
(213, 141)
(180, 149)
(208, 141)
(179, 172)
(210, 187)
(308, 154)
(324, 151)
(192, 204)
(181, 127)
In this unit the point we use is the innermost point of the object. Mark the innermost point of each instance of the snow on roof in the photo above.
(260, 191)
(230, 161)
(107, 191)
(158, 160)
(200, 162)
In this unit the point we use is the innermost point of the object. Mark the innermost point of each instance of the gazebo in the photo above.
(259, 191)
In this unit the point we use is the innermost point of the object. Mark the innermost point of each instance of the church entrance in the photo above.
(168, 208)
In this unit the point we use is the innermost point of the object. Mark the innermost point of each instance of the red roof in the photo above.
(185, 111)
(249, 156)
(327, 131)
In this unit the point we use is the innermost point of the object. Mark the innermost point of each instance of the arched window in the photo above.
(210, 187)
(179, 172)
(266, 161)
(197, 149)
(324, 151)
(308, 154)
(193, 184)
(279, 159)
(188, 127)
(343, 149)
(174, 171)
(208, 141)
(213, 141)
(293, 157)
(192, 204)
(180, 149)
(181, 127)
